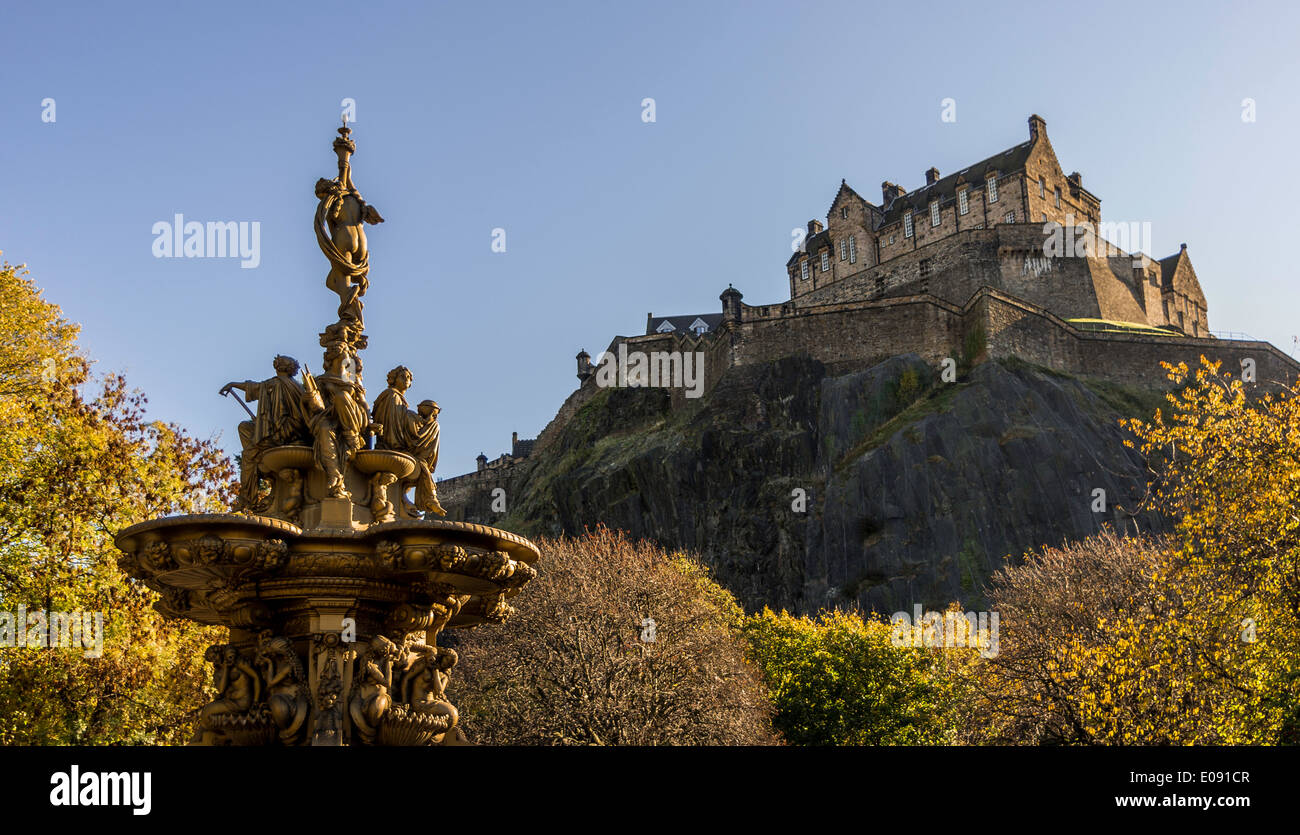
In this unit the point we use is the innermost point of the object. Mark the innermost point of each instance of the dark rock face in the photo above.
(886, 487)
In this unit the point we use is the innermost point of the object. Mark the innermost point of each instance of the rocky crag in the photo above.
(803, 489)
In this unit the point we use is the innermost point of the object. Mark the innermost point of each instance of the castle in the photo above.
(1008, 257)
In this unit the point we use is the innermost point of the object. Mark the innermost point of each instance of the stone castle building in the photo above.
(1008, 257)
(905, 245)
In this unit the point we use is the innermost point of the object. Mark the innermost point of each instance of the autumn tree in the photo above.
(1119, 640)
(79, 460)
(1226, 462)
(615, 643)
(841, 679)
(1191, 639)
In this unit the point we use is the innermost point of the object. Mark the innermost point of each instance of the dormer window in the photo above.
(934, 213)
(699, 327)
(907, 224)
(991, 188)
(826, 261)
(853, 250)
(665, 327)
(803, 270)
(963, 202)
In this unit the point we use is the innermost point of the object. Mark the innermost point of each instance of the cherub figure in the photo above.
(238, 689)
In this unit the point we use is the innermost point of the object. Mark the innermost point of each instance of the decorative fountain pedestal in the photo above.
(333, 582)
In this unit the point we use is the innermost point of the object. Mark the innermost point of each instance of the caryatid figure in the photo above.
(415, 433)
(281, 420)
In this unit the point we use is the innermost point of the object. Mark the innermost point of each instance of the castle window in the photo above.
(963, 203)
(803, 270)
(1044, 217)
(844, 249)
(844, 211)
(907, 224)
(891, 238)
(1042, 187)
(925, 267)
(1058, 197)
(826, 261)
(992, 188)
(934, 213)
(1011, 217)
(853, 250)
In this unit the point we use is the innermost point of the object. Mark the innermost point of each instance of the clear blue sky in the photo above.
(527, 116)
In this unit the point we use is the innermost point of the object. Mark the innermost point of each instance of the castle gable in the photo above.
(1176, 274)
(846, 194)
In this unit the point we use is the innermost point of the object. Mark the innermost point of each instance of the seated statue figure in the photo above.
(281, 420)
(414, 432)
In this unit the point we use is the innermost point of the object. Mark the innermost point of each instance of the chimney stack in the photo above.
(814, 226)
(932, 176)
(1037, 126)
(889, 192)
(1076, 178)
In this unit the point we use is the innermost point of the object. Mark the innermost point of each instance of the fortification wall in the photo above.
(470, 495)
(1016, 329)
(860, 333)
(855, 333)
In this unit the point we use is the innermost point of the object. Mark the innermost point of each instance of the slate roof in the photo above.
(1168, 266)
(810, 247)
(1006, 162)
(682, 324)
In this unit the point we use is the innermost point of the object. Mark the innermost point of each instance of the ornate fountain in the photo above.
(334, 584)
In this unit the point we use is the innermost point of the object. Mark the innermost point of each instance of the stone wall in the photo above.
(1017, 329)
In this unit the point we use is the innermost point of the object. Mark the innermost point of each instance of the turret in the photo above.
(585, 369)
(731, 304)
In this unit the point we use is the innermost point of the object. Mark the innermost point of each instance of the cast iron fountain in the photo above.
(333, 583)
